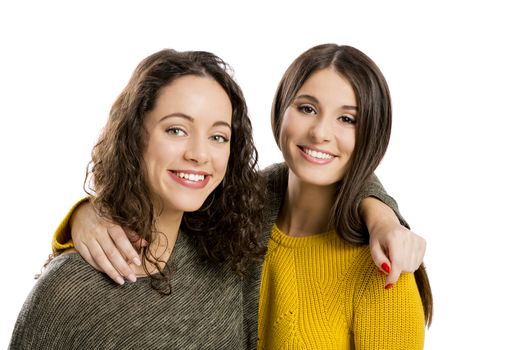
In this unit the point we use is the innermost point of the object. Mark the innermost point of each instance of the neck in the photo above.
(306, 209)
(166, 228)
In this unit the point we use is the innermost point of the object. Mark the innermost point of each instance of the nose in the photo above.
(320, 130)
(197, 151)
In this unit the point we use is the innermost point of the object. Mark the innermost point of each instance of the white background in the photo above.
(455, 162)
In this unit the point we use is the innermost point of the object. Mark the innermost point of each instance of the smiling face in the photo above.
(318, 132)
(188, 146)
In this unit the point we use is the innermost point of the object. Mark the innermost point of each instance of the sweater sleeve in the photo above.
(388, 319)
(374, 188)
(41, 323)
(62, 236)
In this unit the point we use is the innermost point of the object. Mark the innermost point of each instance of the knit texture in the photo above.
(62, 237)
(277, 180)
(72, 306)
(319, 292)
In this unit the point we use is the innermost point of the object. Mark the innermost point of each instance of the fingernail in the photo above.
(136, 261)
(389, 286)
(132, 278)
(120, 280)
(385, 267)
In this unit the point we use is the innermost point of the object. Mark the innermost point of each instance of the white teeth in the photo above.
(318, 155)
(191, 177)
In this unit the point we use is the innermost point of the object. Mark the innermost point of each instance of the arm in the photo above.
(389, 319)
(394, 248)
(62, 236)
(104, 245)
(68, 302)
(51, 313)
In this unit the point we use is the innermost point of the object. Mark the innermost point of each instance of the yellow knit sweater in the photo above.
(319, 292)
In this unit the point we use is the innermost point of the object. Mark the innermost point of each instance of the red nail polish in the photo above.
(389, 286)
(385, 267)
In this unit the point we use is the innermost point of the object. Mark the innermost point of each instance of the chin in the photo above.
(319, 182)
(316, 178)
(189, 207)
(192, 209)
(184, 204)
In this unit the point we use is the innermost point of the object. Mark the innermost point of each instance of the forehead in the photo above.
(330, 86)
(196, 96)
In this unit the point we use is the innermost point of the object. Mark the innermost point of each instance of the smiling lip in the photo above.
(312, 159)
(194, 180)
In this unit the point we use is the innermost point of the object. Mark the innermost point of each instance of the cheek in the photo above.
(286, 129)
(350, 145)
(149, 159)
(225, 159)
(221, 158)
(347, 142)
(160, 154)
(156, 152)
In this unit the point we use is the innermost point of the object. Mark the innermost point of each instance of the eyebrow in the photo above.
(315, 100)
(191, 119)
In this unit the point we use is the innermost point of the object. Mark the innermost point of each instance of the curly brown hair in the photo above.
(228, 225)
(373, 127)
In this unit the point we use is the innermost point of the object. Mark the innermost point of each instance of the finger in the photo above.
(95, 256)
(418, 248)
(379, 256)
(124, 245)
(414, 262)
(415, 251)
(113, 256)
(421, 254)
(393, 276)
(86, 255)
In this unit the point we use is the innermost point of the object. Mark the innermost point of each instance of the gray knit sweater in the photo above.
(72, 306)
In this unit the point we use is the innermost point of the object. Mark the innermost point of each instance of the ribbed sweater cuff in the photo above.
(62, 236)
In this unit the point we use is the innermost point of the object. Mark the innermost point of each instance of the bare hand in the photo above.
(394, 248)
(104, 245)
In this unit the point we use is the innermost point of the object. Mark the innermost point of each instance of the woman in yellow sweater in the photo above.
(331, 118)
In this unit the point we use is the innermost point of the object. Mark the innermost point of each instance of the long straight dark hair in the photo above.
(373, 126)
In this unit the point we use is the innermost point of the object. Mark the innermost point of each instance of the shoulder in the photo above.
(275, 175)
(60, 269)
(65, 280)
(394, 316)
(369, 281)
(275, 179)
(67, 271)
(366, 285)
(57, 296)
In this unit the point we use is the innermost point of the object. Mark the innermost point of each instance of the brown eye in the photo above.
(306, 109)
(347, 119)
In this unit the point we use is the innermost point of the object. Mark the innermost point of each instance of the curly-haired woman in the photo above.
(178, 138)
